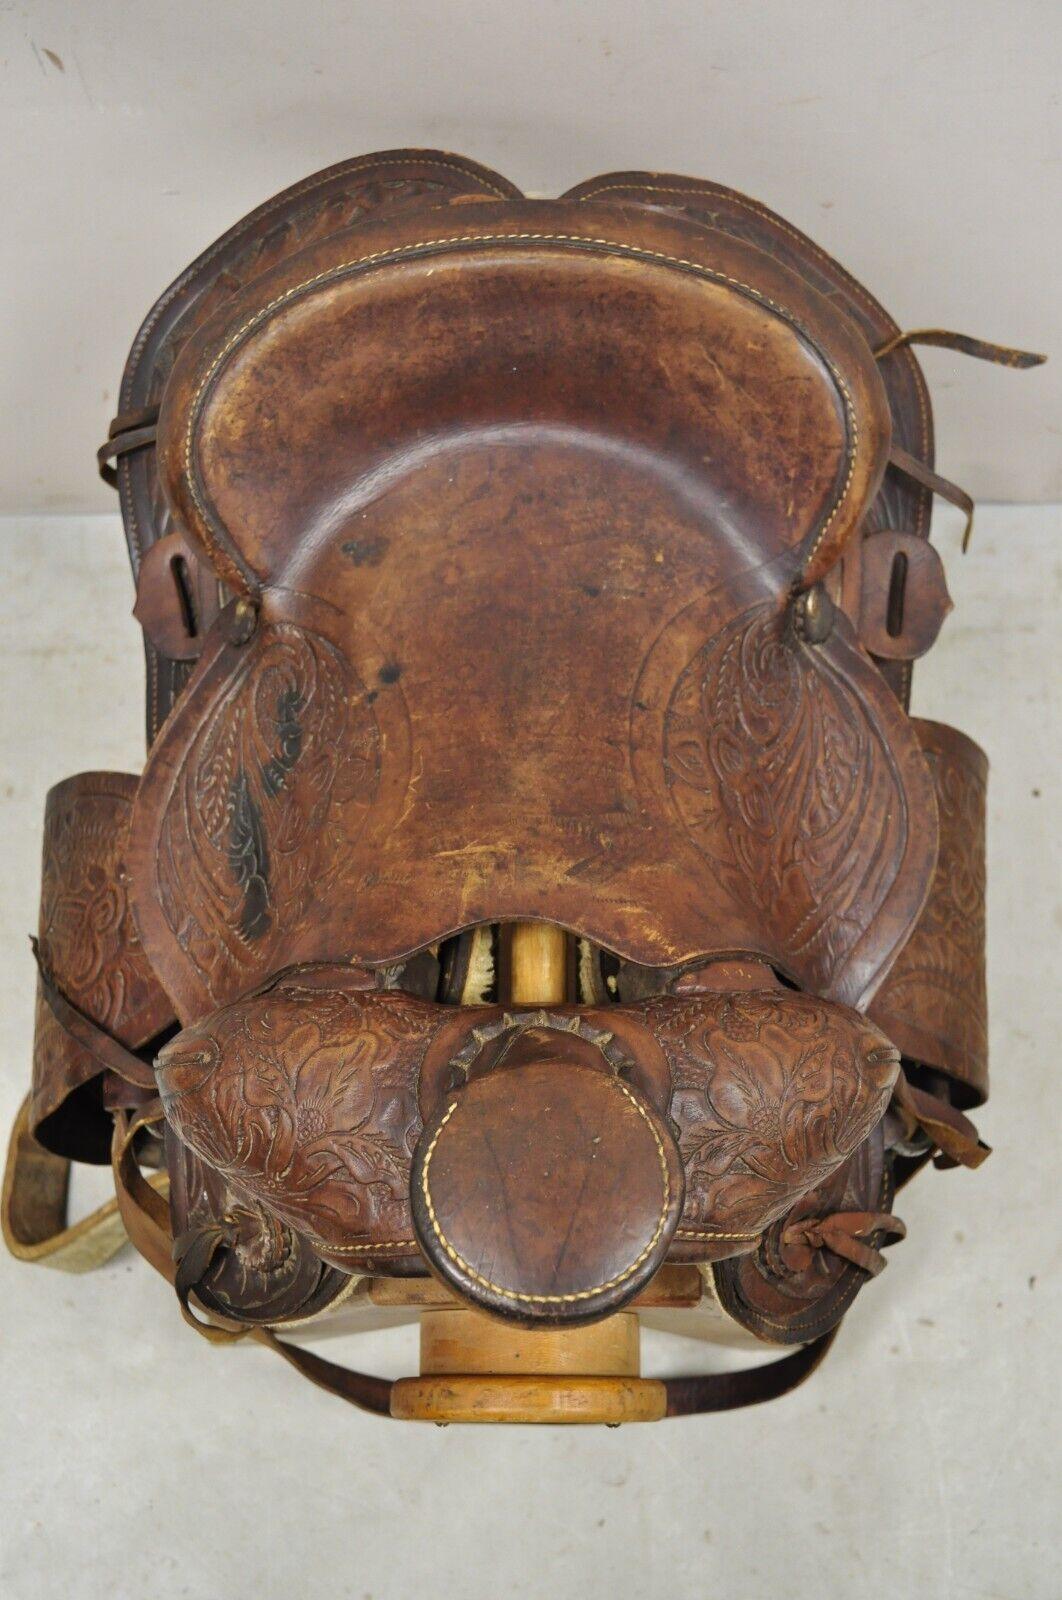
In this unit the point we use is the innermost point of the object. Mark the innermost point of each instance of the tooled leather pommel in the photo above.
(543, 1161)
(546, 1189)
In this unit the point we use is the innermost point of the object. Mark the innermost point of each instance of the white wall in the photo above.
(917, 142)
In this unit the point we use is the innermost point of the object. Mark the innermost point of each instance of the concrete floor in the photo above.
(136, 1460)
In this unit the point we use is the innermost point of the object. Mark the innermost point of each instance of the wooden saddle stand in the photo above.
(538, 911)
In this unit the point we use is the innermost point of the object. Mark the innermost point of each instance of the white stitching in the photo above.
(757, 210)
(397, 253)
(549, 1299)
(708, 1234)
(364, 1249)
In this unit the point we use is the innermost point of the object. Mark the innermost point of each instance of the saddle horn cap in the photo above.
(547, 1192)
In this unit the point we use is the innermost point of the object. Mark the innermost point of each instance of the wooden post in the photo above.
(538, 964)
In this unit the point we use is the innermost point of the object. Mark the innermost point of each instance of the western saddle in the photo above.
(538, 910)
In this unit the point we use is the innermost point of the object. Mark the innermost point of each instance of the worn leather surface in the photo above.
(547, 1189)
(313, 1096)
(491, 508)
(903, 596)
(267, 1273)
(502, 560)
(934, 1002)
(789, 1297)
(311, 209)
(89, 947)
(462, 273)
(901, 502)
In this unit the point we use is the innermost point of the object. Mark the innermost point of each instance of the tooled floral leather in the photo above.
(304, 1096)
(787, 1299)
(788, 788)
(772, 1092)
(934, 1001)
(266, 809)
(268, 1272)
(285, 807)
(402, 497)
(87, 938)
(529, 504)
(89, 946)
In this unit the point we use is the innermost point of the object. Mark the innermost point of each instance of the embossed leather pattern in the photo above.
(900, 501)
(786, 1299)
(269, 1273)
(89, 947)
(934, 1001)
(308, 1096)
(555, 564)
(370, 525)
(304, 1096)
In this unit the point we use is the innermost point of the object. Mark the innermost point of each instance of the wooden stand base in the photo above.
(475, 1368)
(557, 1400)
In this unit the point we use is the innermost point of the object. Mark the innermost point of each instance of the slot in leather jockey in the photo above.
(509, 569)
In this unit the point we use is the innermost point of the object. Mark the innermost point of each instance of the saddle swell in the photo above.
(538, 907)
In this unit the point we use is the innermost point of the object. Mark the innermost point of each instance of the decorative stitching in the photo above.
(298, 191)
(364, 1249)
(856, 288)
(733, 198)
(401, 252)
(711, 1233)
(549, 1299)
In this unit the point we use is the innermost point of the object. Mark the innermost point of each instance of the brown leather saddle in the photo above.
(538, 908)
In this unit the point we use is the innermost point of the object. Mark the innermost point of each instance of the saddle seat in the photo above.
(524, 510)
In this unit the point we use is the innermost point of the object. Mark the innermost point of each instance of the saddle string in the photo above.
(982, 350)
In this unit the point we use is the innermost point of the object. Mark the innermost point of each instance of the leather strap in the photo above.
(845, 1234)
(727, 1391)
(133, 430)
(953, 1134)
(147, 1221)
(34, 1202)
(911, 467)
(361, 1389)
(102, 1046)
(192, 1255)
(1003, 355)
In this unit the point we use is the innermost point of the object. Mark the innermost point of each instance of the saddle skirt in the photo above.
(538, 900)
